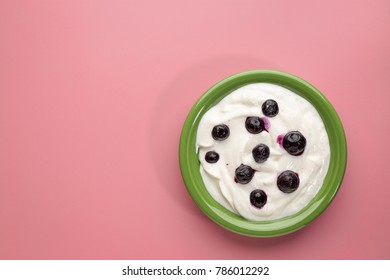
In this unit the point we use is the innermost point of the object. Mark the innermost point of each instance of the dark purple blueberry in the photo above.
(270, 108)
(294, 143)
(288, 181)
(254, 125)
(244, 174)
(258, 198)
(211, 157)
(260, 153)
(220, 132)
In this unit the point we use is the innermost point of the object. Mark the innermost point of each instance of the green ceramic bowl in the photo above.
(190, 165)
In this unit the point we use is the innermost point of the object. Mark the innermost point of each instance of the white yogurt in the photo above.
(295, 113)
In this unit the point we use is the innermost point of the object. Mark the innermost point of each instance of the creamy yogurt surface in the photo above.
(295, 114)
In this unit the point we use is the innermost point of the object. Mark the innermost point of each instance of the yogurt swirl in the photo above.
(295, 114)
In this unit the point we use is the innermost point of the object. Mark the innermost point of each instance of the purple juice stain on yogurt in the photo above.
(279, 140)
(267, 123)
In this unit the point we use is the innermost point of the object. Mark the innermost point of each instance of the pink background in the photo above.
(93, 95)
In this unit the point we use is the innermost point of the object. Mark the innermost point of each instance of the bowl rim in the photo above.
(189, 162)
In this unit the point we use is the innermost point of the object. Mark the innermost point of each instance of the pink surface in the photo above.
(93, 95)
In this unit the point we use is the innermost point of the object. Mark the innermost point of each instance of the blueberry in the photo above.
(220, 132)
(254, 125)
(211, 157)
(258, 198)
(244, 174)
(288, 181)
(270, 108)
(260, 153)
(294, 143)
